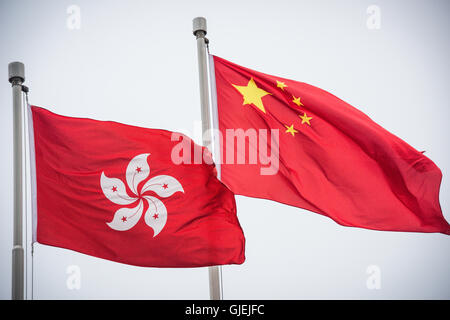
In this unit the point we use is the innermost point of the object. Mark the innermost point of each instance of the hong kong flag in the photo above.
(127, 194)
(293, 143)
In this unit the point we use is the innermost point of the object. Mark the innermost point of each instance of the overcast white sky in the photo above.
(135, 62)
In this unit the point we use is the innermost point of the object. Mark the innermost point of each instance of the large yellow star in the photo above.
(305, 118)
(297, 101)
(290, 129)
(281, 85)
(252, 94)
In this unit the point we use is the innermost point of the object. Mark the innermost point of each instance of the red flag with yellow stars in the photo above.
(294, 143)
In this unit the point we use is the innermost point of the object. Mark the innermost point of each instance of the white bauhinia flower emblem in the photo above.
(137, 171)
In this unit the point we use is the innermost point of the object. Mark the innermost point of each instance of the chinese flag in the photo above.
(118, 192)
(326, 157)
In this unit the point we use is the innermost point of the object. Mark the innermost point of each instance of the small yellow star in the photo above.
(297, 101)
(252, 94)
(281, 85)
(305, 118)
(290, 129)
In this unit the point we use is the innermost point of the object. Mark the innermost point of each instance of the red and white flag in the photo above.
(113, 191)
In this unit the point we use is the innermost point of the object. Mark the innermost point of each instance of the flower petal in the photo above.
(126, 218)
(164, 186)
(114, 189)
(156, 214)
(137, 171)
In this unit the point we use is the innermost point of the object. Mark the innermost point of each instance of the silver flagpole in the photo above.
(16, 75)
(199, 30)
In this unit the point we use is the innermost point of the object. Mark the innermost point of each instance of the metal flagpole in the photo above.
(16, 76)
(199, 30)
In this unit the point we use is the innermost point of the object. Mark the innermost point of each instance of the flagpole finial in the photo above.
(16, 72)
(199, 25)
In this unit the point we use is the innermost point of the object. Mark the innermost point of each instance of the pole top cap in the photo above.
(16, 70)
(199, 24)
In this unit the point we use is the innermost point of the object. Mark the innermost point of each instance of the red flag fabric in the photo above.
(113, 191)
(326, 157)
